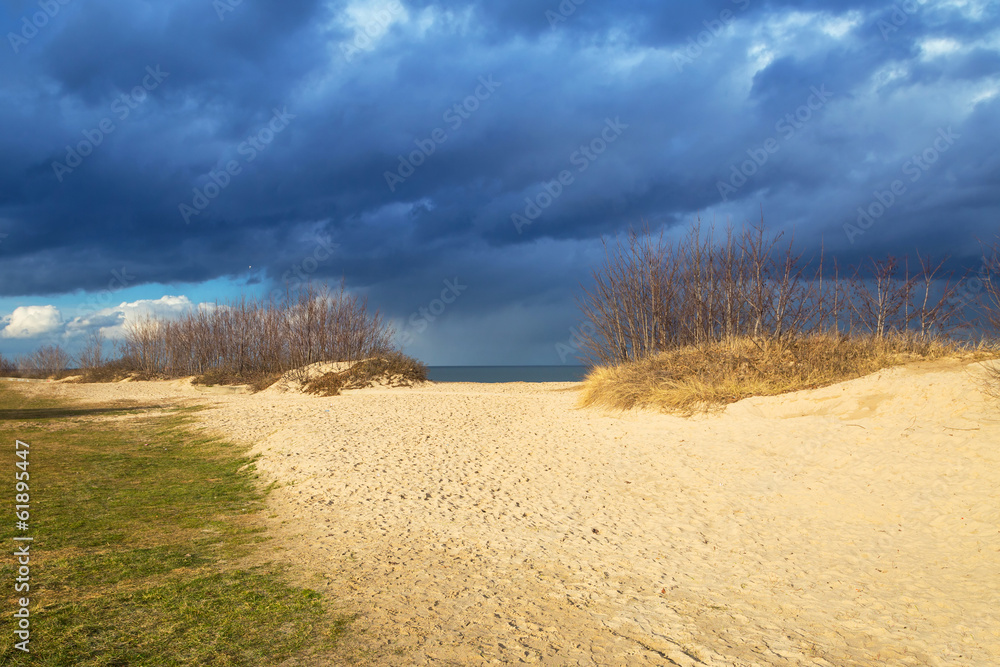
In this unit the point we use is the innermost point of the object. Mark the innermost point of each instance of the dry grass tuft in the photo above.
(692, 379)
(992, 384)
(393, 369)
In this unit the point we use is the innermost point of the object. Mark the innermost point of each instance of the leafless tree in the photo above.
(8, 367)
(650, 295)
(989, 274)
(46, 362)
(91, 356)
(248, 337)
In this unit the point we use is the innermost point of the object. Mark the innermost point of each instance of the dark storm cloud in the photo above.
(495, 101)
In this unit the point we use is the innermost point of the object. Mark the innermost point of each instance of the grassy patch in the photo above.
(992, 384)
(141, 527)
(692, 378)
(393, 369)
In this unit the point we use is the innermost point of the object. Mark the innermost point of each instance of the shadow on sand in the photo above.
(60, 412)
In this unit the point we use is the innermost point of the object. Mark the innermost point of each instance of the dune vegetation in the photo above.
(393, 369)
(244, 341)
(703, 322)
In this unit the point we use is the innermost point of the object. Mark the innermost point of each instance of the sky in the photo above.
(459, 162)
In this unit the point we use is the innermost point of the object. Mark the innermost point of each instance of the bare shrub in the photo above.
(880, 298)
(989, 305)
(252, 341)
(144, 348)
(8, 367)
(333, 326)
(48, 361)
(92, 355)
(660, 309)
(630, 302)
(936, 314)
(649, 295)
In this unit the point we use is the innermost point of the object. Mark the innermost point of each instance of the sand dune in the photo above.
(853, 525)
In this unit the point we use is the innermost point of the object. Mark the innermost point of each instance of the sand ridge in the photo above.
(467, 524)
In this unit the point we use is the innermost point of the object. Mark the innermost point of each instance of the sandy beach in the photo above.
(857, 524)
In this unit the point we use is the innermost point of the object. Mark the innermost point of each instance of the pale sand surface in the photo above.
(467, 524)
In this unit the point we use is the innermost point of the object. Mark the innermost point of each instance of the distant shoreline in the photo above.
(498, 374)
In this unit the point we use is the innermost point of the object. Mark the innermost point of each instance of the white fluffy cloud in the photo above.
(35, 321)
(112, 321)
(165, 306)
(31, 321)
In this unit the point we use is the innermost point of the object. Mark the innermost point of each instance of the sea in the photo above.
(489, 374)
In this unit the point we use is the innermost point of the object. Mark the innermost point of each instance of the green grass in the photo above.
(142, 534)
